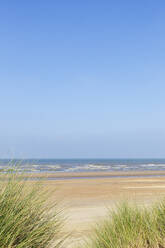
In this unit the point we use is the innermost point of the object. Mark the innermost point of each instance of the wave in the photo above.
(88, 167)
(152, 165)
(70, 166)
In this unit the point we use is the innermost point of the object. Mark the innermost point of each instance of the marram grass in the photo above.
(27, 219)
(131, 227)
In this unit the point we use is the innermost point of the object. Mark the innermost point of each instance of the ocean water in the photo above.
(81, 165)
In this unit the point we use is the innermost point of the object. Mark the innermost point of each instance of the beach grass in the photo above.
(28, 219)
(129, 226)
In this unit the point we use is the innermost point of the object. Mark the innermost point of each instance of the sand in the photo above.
(86, 197)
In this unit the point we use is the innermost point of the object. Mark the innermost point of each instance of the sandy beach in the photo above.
(87, 196)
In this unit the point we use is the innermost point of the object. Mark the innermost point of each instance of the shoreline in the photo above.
(95, 175)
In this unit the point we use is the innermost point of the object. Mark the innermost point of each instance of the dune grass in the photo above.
(131, 227)
(27, 218)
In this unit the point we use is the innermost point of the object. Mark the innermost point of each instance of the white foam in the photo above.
(152, 165)
(89, 167)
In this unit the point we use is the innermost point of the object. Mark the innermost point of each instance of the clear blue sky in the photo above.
(82, 79)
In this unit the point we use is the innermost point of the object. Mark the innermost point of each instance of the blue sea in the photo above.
(82, 165)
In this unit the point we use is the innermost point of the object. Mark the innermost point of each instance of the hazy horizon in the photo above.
(78, 158)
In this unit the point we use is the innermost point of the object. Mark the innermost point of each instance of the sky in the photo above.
(82, 79)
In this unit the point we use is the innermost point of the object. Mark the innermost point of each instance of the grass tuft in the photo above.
(131, 227)
(27, 219)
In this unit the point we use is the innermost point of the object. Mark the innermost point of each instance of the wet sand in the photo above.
(87, 196)
(76, 175)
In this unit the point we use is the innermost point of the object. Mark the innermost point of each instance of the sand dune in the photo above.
(87, 200)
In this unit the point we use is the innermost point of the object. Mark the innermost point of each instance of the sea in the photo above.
(81, 165)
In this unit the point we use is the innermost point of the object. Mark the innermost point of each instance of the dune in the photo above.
(86, 197)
